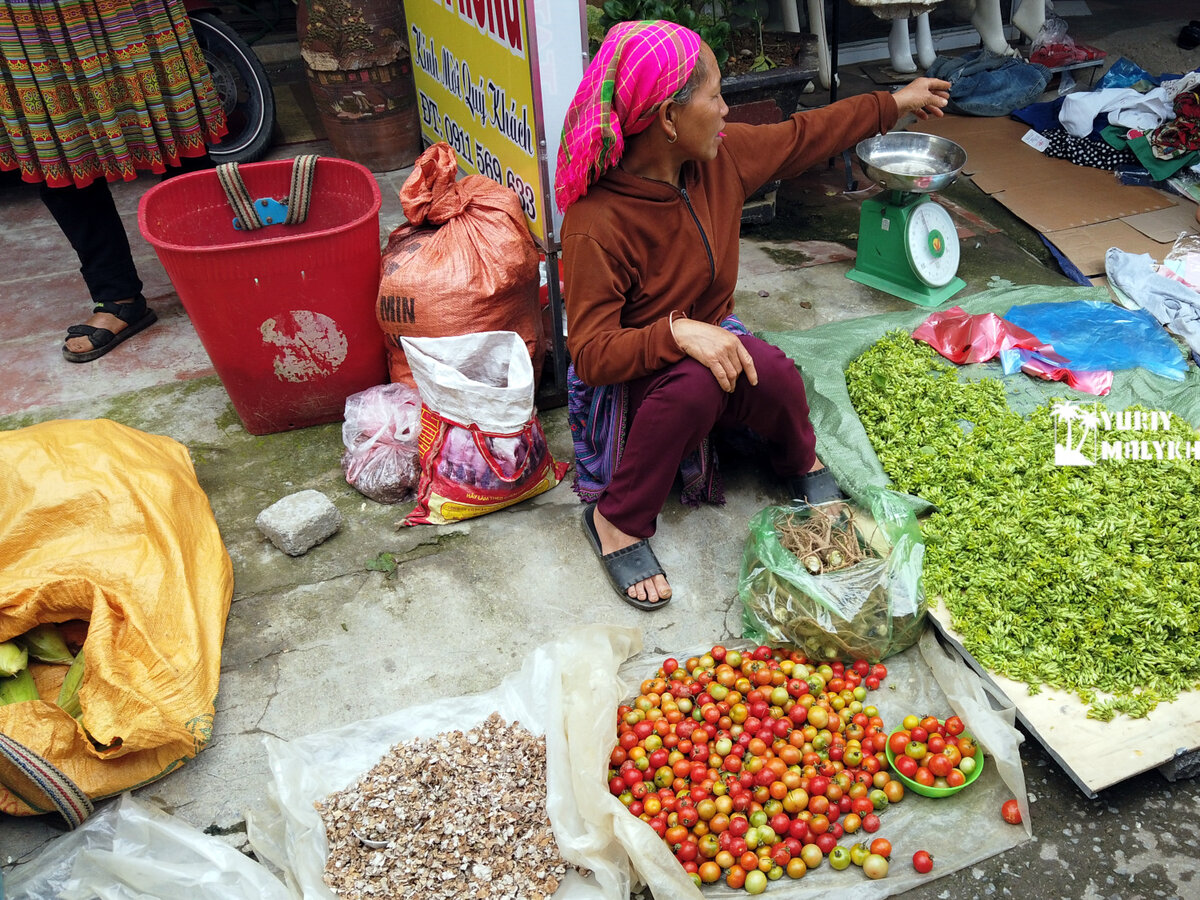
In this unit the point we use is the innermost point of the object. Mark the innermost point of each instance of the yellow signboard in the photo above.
(471, 63)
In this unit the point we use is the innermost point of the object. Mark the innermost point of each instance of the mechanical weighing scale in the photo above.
(907, 244)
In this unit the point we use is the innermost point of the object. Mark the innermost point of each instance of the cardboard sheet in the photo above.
(1078, 208)
(1086, 246)
(1095, 754)
(1165, 225)
(1085, 200)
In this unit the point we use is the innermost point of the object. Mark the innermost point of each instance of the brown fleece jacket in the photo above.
(635, 249)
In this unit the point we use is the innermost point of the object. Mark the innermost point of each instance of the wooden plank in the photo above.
(1094, 754)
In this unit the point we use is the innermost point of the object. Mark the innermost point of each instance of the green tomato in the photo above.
(756, 882)
(875, 866)
(966, 765)
(839, 858)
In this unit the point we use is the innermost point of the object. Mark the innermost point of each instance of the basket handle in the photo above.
(40, 777)
(247, 215)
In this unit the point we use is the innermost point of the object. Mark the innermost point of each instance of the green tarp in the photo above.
(824, 352)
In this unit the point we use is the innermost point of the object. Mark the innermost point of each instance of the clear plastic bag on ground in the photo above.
(131, 851)
(380, 433)
(871, 609)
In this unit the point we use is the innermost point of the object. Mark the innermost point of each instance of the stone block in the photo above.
(299, 521)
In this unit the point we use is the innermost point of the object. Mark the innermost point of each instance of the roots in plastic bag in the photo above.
(822, 543)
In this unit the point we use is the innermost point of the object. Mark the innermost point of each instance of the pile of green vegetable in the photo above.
(1083, 578)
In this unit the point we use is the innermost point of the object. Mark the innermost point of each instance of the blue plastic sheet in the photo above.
(1096, 335)
(1123, 74)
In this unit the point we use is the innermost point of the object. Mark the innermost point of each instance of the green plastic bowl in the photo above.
(935, 792)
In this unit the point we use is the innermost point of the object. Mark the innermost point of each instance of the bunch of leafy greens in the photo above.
(1083, 578)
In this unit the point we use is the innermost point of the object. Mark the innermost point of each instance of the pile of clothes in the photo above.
(1131, 120)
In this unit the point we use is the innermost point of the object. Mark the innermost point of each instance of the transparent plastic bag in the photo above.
(1182, 262)
(1053, 34)
(132, 851)
(380, 433)
(871, 609)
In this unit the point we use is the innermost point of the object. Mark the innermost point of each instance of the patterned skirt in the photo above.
(101, 89)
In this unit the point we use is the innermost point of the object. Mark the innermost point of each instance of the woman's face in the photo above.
(698, 124)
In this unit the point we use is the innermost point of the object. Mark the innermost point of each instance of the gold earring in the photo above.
(673, 138)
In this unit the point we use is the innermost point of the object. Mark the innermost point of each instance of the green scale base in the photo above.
(907, 247)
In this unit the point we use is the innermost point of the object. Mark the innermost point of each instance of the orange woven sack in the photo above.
(463, 263)
(108, 525)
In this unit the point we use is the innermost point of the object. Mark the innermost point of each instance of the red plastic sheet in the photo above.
(965, 338)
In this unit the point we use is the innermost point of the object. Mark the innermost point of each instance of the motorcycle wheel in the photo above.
(244, 89)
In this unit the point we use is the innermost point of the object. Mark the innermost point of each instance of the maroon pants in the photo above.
(675, 408)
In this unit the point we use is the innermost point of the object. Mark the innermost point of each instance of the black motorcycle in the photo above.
(241, 82)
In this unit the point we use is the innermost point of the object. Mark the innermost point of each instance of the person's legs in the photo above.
(671, 413)
(776, 409)
(88, 217)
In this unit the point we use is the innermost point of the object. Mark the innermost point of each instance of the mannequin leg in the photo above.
(816, 26)
(926, 55)
(898, 47)
(990, 25)
(1029, 17)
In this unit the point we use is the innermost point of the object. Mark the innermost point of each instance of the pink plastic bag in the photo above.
(380, 433)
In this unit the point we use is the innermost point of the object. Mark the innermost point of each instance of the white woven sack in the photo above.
(483, 379)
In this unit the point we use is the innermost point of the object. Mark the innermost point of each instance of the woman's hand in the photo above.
(924, 97)
(716, 348)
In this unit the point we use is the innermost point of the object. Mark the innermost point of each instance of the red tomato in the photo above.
(898, 741)
(922, 861)
(923, 776)
(870, 823)
(939, 765)
(954, 725)
(882, 846)
(956, 778)
(1011, 812)
(825, 842)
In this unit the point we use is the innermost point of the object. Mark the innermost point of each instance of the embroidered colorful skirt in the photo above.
(101, 89)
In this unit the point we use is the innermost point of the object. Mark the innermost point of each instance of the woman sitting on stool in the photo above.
(652, 183)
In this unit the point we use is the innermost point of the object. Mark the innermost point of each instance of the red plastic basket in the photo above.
(286, 312)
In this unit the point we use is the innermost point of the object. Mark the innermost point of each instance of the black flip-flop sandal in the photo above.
(627, 566)
(135, 314)
(817, 487)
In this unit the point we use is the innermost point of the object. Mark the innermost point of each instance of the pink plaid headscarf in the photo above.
(639, 65)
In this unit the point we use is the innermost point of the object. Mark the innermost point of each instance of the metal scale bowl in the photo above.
(907, 244)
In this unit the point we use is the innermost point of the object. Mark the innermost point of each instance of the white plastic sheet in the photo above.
(131, 851)
(959, 831)
(567, 690)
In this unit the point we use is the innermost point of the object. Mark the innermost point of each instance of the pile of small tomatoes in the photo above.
(752, 765)
(932, 752)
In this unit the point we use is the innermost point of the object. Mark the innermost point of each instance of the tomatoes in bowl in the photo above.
(956, 765)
